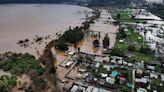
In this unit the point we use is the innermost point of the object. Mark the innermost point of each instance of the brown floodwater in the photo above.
(19, 22)
(104, 26)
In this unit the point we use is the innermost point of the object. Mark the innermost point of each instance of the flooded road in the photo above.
(104, 26)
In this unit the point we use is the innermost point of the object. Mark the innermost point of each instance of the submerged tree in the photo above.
(96, 43)
(106, 41)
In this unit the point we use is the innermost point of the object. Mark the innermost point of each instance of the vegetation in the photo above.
(156, 82)
(21, 64)
(132, 44)
(73, 35)
(96, 43)
(106, 41)
(125, 89)
(7, 83)
(123, 16)
(61, 46)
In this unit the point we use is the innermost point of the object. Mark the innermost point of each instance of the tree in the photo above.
(62, 46)
(118, 16)
(96, 43)
(106, 41)
(73, 35)
(121, 34)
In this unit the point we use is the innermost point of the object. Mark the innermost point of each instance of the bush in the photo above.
(131, 47)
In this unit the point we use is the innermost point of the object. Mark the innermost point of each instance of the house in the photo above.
(125, 63)
(104, 75)
(141, 90)
(139, 71)
(151, 68)
(122, 78)
(120, 62)
(130, 64)
(140, 65)
(110, 80)
(95, 89)
(153, 75)
(106, 59)
(89, 89)
(141, 80)
(74, 88)
(97, 65)
(107, 67)
(114, 74)
(162, 77)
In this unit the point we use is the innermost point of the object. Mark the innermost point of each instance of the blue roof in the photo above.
(114, 74)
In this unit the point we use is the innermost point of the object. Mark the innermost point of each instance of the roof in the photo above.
(130, 64)
(97, 65)
(152, 75)
(141, 90)
(74, 88)
(89, 89)
(142, 80)
(104, 75)
(122, 78)
(162, 77)
(139, 71)
(151, 67)
(95, 90)
(110, 80)
(114, 74)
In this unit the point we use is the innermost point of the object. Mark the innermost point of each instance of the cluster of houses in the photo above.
(103, 73)
(95, 73)
(148, 77)
(151, 28)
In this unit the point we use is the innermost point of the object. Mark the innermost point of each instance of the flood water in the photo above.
(19, 22)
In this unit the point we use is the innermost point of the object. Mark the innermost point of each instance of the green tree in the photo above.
(106, 41)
